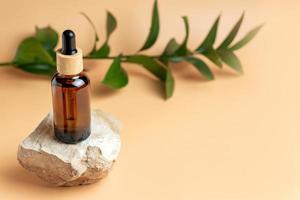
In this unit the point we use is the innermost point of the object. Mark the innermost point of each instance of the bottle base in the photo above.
(73, 137)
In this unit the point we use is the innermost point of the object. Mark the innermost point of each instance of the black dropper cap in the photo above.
(68, 43)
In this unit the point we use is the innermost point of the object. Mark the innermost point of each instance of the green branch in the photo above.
(36, 54)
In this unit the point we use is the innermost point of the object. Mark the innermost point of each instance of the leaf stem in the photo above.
(7, 63)
(114, 57)
(130, 55)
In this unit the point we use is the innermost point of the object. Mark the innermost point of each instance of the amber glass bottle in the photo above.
(70, 94)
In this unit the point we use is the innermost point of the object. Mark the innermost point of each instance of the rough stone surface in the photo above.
(72, 164)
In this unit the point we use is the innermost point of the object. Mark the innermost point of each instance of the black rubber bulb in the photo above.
(68, 43)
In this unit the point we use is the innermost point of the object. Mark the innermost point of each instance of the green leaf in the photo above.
(47, 36)
(92, 24)
(154, 29)
(248, 37)
(150, 64)
(43, 69)
(171, 47)
(116, 77)
(102, 52)
(230, 37)
(31, 51)
(210, 38)
(32, 57)
(183, 50)
(213, 56)
(231, 60)
(169, 84)
(94, 28)
(201, 67)
(111, 24)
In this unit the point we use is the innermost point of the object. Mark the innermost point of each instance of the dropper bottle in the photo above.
(70, 93)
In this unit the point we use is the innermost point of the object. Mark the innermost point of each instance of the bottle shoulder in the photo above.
(70, 81)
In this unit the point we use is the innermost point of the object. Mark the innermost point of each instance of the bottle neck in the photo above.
(69, 64)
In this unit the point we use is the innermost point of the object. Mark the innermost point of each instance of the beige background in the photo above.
(236, 138)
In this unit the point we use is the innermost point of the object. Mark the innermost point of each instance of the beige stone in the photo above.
(72, 164)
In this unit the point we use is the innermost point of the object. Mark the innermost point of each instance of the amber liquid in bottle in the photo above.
(71, 107)
(70, 94)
